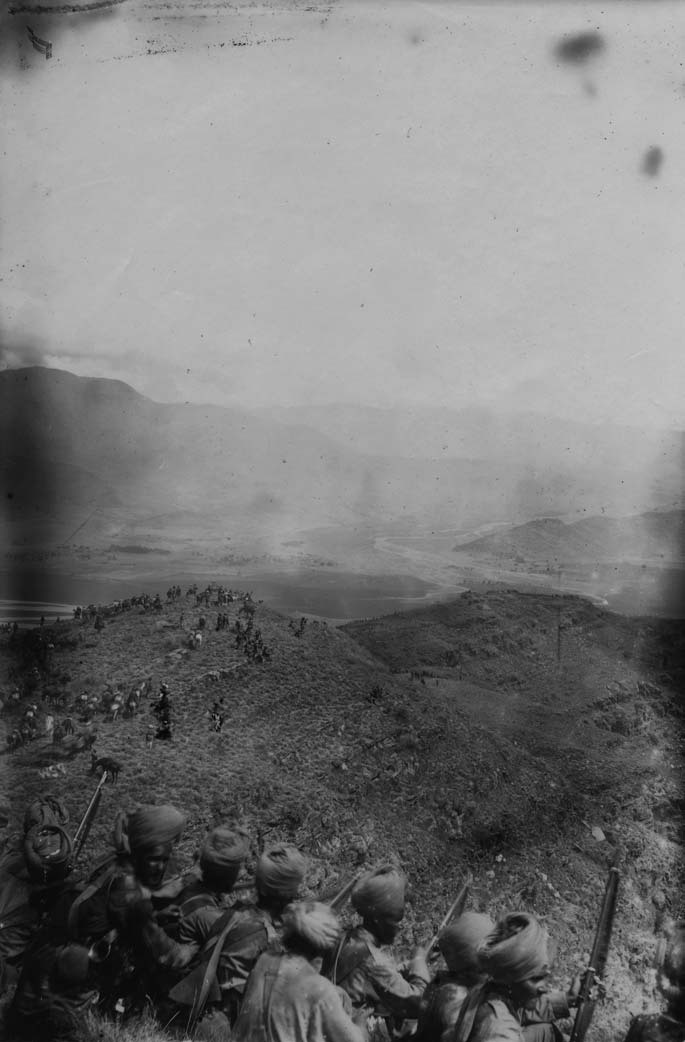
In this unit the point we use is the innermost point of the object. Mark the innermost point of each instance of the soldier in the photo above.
(458, 944)
(222, 857)
(243, 933)
(515, 964)
(362, 969)
(115, 913)
(163, 703)
(33, 874)
(287, 999)
(668, 1026)
(162, 709)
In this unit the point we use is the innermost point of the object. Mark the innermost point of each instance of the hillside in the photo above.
(533, 740)
(653, 536)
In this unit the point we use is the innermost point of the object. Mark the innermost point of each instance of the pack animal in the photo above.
(104, 763)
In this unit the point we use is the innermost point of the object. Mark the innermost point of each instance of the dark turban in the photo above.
(380, 894)
(280, 871)
(47, 850)
(312, 922)
(459, 941)
(148, 827)
(515, 950)
(223, 854)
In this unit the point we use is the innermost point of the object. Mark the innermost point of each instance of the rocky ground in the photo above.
(532, 740)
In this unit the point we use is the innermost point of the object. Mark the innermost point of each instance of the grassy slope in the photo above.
(448, 739)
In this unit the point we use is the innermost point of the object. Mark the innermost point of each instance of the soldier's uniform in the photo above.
(440, 1007)
(286, 999)
(539, 1024)
(115, 914)
(240, 935)
(203, 900)
(458, 944)
(514, 962)
(495, 1019)
(366, 972)
(372, 978)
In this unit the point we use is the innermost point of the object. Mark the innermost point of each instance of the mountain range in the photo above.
(75, 447)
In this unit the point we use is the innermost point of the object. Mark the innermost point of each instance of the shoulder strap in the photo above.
(90, 890)
(192, 904)
(271, 934)
(357, 961)
(467, 1014)
(209, 975)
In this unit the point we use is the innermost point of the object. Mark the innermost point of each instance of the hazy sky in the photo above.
(406, 202)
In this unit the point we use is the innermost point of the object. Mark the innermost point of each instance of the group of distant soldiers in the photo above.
(213, 961)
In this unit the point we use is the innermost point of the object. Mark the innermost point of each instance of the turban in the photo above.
(280, 871)
(148, 827)
(47, 849)
(313, 922)
(459, 941)
(223, 853)
(515, 950)
(380, 894)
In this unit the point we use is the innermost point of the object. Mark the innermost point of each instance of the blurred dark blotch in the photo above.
(580, 47)
(652, 160)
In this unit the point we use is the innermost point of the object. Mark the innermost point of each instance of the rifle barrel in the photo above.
(82, 831)
(598, 959)
(339, 900)
(454, 910)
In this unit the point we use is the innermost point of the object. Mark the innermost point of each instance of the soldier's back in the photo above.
(440, 1008)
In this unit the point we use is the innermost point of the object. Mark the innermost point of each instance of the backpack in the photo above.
(46, 810)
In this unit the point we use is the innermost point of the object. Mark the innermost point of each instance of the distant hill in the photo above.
(72, 447)
(532, 740)
(654, 536)
(638, 468)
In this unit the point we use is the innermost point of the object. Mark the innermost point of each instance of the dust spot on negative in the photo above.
(652, 160)
(579, 48)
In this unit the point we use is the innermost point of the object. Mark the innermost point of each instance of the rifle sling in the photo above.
(463, 1028)
(355, 965)
(209, 974)
(85, 895)
(216, 944)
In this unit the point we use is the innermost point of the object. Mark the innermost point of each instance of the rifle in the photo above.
(81, 834)
(338, 900)
(592, 987)
(454, 910)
